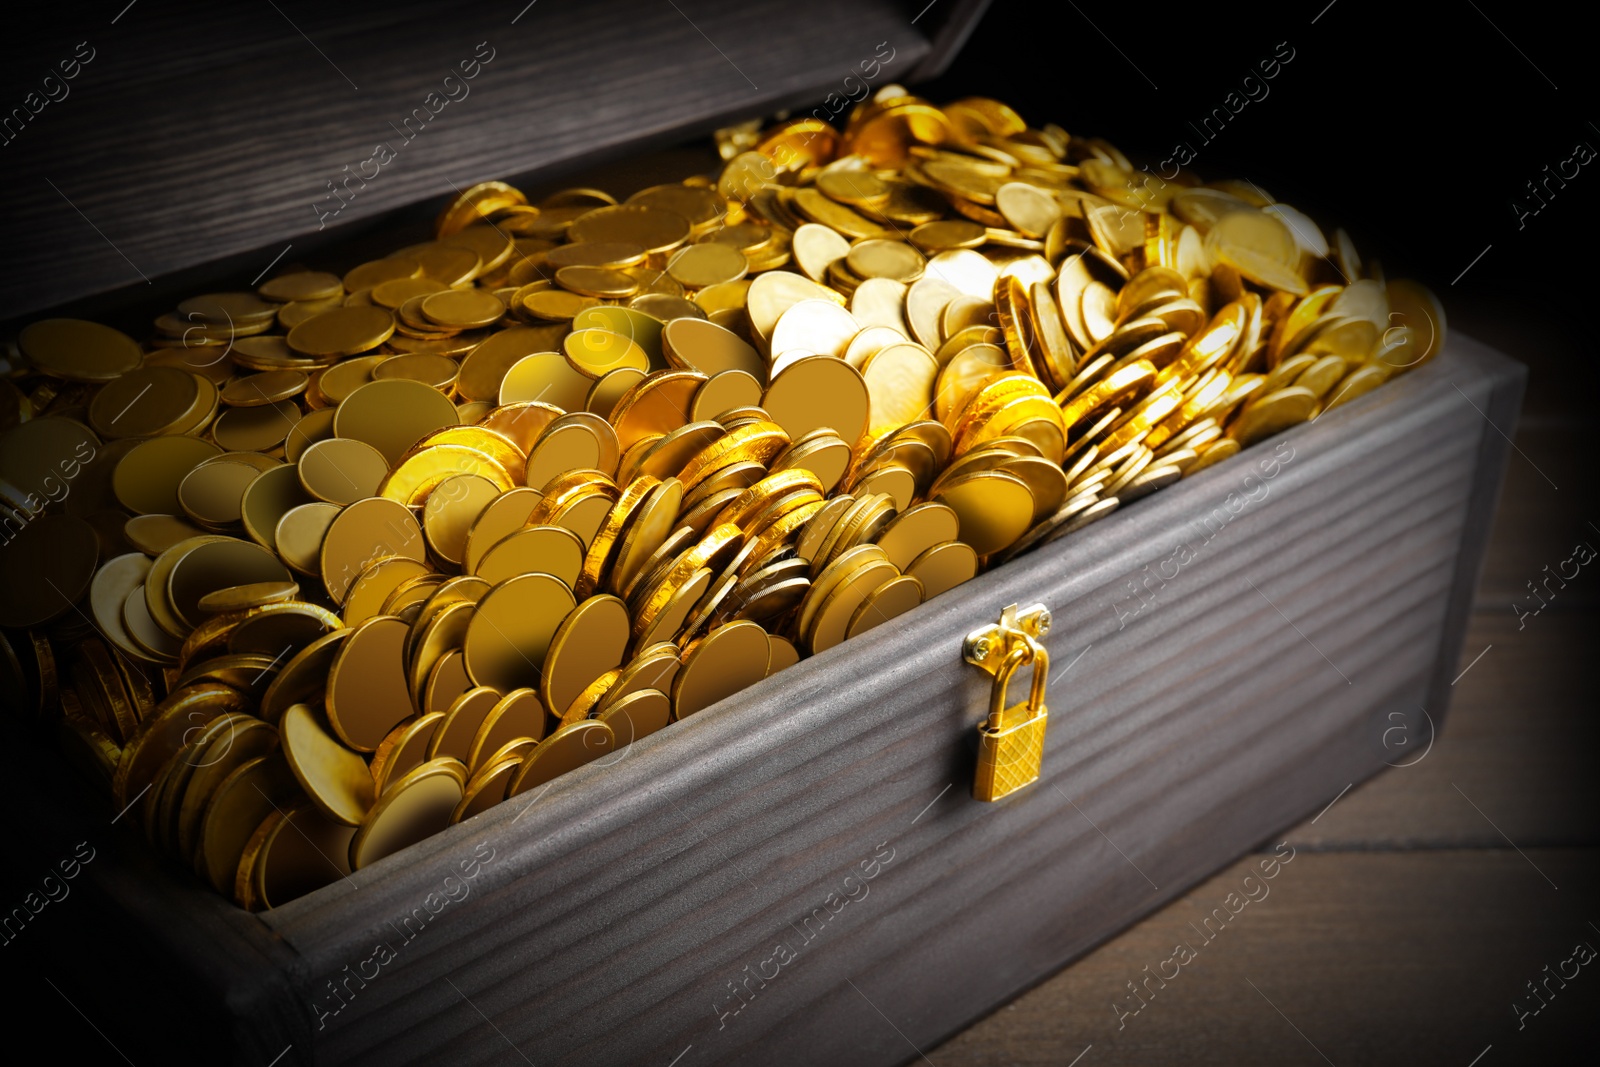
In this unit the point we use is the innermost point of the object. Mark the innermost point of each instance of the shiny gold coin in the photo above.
(304, 851)
(142, 630)
(1031, 210)
(548, 378)
(658, 405)
(301, 285)
(483, 369)
(390, 415)
(725, 661)
(433, 370)
(899, 381)
(487, 786)
(775, 292)
(817, 247)
(461, 722)
(109, 590)
(463, 309)
(818, 391)
(147, 477)
(450, 511)
(415, 807)
(242, 801)
(941, 236)
(244, 597)
(344, 331)
(666, 306)
(596, 352)
(567, 749)
(917, 529)
(214, 565)
(300, 533)
(891, 599)
(590, 641)
(517, 715)
(335, 778)
(994, 509)
(839, 606)
(345, 377)
(403, 749)
(702, 265)
(512, 628)
(341, 470)
(555, 551)
(944, 567)
(78, 350)
(1272, 413)
(266, 500)
(365, 532)
(811, 327)
(143, 402)
(212, 494)
(664, 613)
(557, 305)
(366, 695)
(724, 391)
(698, 345)
(655, 229)
(267, 387)
(637, 714)
(257, 429)
(502, 517)
(655, 519)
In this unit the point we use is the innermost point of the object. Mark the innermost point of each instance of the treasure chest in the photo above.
(848, 856)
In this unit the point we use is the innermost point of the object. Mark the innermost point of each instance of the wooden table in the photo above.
(1418, 904)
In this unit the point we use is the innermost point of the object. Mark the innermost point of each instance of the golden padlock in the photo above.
(1011, 740)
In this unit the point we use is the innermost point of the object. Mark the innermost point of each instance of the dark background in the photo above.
(1415, 129)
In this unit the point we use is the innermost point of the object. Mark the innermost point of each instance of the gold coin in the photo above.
(702, 265)
(257, 429)
(267, 499)
(339, 381)
(341, 470)
(451, 509)
(783, 655)
(841, 602)
(698, 345)
(994, 509)
(609, 389)
(244, 597)
(363, 533)
(555, 551)
(487, 787)
(227, 308)
(390, 415)
(511, 630)
(212, 494)
(948, 234)
(546, 377)
(463, 309)
(299, 535)
(944, 567)
(109, 589)
(891, 599)
(414, 808)
(899, 381)
(880, 258)
(636, 714)
(403, 749)
(304, 851)
(143, 402)
(1272, 413)
(590, 641)
(367, 695)
(316, 426)
(78, 350)
(466, 714)
(517, 715)
(666, 306)
(656, 518)
(725, 661)
(484, 368)
(151, 639)
(302, 285)
(557, 305)
(665, 614)
(596, 352)
(817, 391)
(147, 477)
(433, 370)
(816, 248)
(344, 331)
(724, 391)
(215, 564)
(775, 292)
(267, 387)
(336, 779)
(1029, 209)
(242, 802)
(565, 750)
(602, 282)
(655, 229)
(811, 327)
(502, 517)
(659, 404)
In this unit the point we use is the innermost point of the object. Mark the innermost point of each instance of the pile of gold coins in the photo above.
(315, 571)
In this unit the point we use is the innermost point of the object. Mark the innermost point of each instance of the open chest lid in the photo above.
(198, 135)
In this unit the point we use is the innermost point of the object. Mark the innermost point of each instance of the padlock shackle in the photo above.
(1019, 654)
(1041, 671)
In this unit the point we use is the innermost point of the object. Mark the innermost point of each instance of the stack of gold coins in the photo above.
(320, 569)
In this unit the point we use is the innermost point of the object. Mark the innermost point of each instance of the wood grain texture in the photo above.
(277, 102)
(633, 894)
